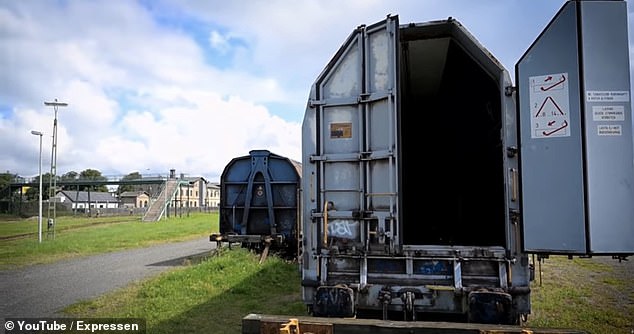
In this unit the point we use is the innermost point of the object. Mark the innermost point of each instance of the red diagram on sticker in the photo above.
(551, 132)
(542, 108)
(550, 110)
(560, 82)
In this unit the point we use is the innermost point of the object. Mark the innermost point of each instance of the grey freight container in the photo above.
(413, 192)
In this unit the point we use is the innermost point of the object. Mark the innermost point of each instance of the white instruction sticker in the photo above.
(609, 130)
(608, 113)
(548, 98)
(607, 96)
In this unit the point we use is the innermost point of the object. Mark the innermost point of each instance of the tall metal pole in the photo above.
(52, 212)
(39, 217)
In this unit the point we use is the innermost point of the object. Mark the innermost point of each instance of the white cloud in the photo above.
(218, 41)
(140, 95)
(143, 94)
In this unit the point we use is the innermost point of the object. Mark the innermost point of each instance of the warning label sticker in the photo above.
(548, 97)
(340, 130)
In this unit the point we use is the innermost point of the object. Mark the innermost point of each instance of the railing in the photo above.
(90, 181)
(156, 211)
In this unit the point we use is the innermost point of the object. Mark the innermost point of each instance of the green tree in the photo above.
(70, 176)
(32, 193)
(5, 180)
(130, 187)
(46, 182)
(92, 175)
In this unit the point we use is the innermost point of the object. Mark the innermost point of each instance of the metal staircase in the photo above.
(157, 207)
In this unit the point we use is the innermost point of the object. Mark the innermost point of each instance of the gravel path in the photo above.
(44, 290)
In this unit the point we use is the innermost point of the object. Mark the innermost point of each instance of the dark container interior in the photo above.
(451, 150)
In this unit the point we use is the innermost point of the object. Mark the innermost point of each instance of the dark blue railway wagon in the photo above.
(259, 202)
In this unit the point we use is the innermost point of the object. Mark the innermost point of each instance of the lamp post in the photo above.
(39, 216)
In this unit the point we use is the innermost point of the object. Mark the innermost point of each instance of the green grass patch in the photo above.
(210, 297)
(87, 236)
(592, 295)
(15, 227)
(582, 294)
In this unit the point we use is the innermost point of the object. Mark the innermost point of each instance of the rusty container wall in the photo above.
(258, 198)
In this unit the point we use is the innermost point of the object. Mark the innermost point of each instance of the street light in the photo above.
(39, 217)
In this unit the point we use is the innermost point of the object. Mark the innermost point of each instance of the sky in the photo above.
(189, 85)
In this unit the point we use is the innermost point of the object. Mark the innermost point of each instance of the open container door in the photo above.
(351, 158)
(575, 124)
(349, 162)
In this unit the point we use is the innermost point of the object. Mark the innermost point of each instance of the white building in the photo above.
(87, 199)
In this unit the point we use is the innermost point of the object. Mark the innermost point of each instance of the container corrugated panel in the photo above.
(404, 174)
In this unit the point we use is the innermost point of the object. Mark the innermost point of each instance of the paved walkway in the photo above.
(44, 290)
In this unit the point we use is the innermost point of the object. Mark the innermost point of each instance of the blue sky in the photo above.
(156, 85)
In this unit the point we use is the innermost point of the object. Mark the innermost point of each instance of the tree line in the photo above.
(32, 193)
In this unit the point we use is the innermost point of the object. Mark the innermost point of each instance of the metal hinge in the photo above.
(514, 214)
(315, 103)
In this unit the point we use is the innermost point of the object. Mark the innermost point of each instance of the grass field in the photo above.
(595, 295)
(80, 236)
